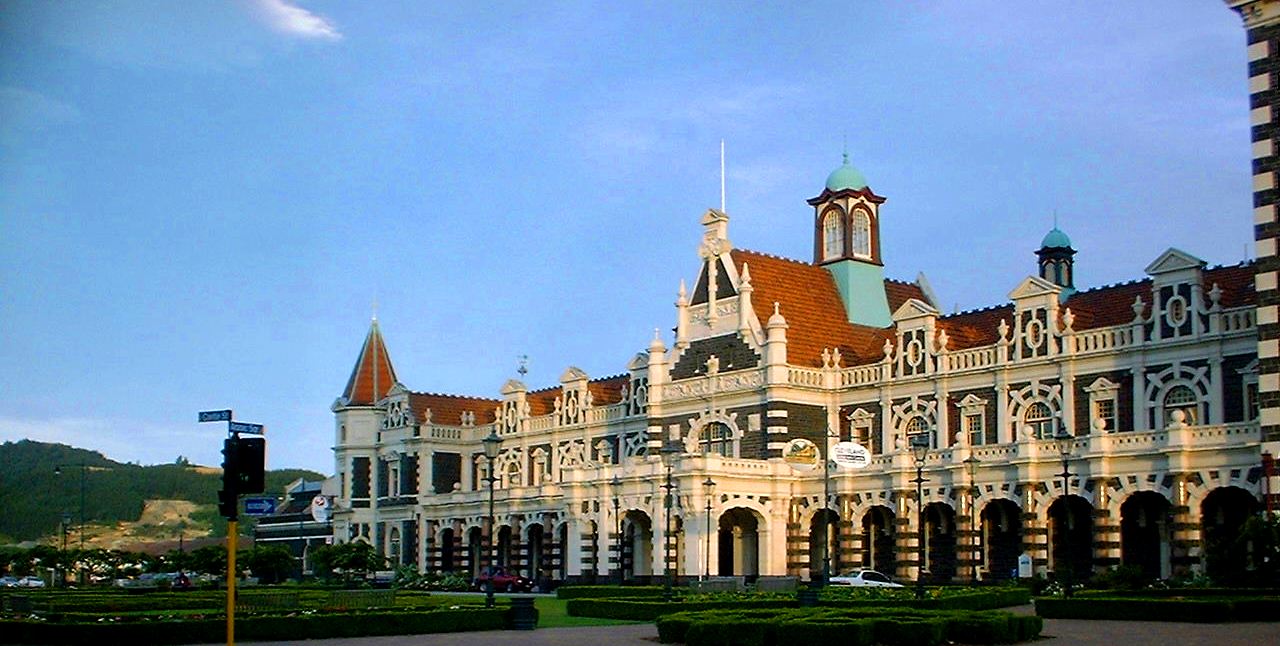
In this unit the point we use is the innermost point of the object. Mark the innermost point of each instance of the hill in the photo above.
(40, 482)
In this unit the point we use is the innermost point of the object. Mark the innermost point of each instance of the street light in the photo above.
(668, 454)
(710, 486)
(491, 444)
(1066, 445)
(615, 484)
(971, 465)
(826, 498)
(57, 470)
(919, 450)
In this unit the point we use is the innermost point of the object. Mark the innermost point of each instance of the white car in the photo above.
(864, 578)
(8, 582)
(31, 582)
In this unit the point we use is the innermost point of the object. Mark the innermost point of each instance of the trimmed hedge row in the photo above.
(608, 591)
(1165, 593)
(856, 627)
(1180, 610)
(649, 610)
(256, 628)
(105, 602)
(645, 610)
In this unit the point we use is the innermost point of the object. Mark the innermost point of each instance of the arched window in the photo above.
(861, 234)
(917, 425)
(1181, 398)
(1040, 420)
(393, 546)
(717, 438)
(832, 235)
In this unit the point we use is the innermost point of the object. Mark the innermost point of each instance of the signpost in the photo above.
(215, 416)
(235, 468)
(244, 427)
(259, 506)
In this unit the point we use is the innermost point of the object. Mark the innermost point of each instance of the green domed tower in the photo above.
(1057, 261)
(846, 242)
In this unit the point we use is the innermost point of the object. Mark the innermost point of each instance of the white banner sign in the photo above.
(851, 455)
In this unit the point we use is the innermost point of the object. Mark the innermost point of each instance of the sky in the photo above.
(202, 204)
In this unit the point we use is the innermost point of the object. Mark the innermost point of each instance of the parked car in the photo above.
(8, 582)
(31, 582)
(504, 581)
(865, 578)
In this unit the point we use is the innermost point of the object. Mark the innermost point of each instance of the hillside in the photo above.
(33, 496)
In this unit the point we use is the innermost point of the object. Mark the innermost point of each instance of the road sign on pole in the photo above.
(245, 427)
(215, 415)
(259, 506)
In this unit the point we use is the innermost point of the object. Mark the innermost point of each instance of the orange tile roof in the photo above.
(975, 328)
(900, 292)
(810, 301)
(604, 391)
(448, 409)
(373, 376)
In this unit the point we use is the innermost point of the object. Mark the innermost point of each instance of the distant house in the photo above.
(302, 520)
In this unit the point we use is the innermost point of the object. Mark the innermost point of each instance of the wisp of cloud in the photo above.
(293, 20)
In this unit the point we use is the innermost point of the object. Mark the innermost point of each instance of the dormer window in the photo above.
(861, 234)
(832, 235)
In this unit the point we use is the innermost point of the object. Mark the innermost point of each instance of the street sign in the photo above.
(320, 509)
(245, 427)
(215, 415)
(851, 455)
(259, 506)
(801, 454)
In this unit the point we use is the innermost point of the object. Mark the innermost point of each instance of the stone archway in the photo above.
(447, 556)
(825, 521)
(740, 542)
(1146, 534)
(1071, 537)
(637, 545)
(940, 542)
(504, 547)
(1000, 540)
(1222, 515)
(476, 556)
(879, 535)
(535, 541)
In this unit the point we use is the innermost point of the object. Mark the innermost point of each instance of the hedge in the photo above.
(644, 610)
(279, 628)
(1177, 610)
(855, 627)
(608, 591)
(1164, 593)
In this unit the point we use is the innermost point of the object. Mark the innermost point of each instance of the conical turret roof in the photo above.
(373, 375)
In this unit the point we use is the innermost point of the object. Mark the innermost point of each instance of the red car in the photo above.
(504, 582)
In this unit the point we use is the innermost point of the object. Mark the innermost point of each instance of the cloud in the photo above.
(292, 20)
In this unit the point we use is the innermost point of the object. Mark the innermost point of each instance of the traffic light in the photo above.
(243, 464)
(251, 458)
(228, 504)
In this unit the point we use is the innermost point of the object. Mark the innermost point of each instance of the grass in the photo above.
(552, 613)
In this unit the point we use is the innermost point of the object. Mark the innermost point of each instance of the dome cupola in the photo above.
(846, 177)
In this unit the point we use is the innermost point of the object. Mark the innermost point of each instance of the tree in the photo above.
(271, 564)
(350, 559)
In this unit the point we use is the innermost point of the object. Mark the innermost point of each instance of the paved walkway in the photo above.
(1061, 632)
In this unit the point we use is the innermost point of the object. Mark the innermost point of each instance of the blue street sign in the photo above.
(245, 427)
(259, 506)
(215, 415)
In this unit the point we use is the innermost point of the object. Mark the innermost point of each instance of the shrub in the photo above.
(910, 632)
(825, 631)
(1203, 610)
(607, 591)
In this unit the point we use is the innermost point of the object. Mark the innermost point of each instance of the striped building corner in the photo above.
(1262, 23)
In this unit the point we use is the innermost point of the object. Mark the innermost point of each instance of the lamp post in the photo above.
(826, 523)
(616, 484)
(57, 470)
(491, 444)
(971, 465)
(1066, 444)
(919, 450)
(66, 529)
(668, 455)
(710, 486)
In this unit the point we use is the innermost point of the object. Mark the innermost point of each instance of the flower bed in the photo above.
(305, 625)
(648, 610)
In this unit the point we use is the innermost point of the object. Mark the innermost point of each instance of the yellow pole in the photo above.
(231, 583)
